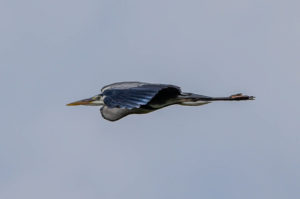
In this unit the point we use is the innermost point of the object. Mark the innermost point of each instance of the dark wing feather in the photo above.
(133, 97)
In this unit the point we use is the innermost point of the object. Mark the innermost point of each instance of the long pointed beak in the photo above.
(87, 101)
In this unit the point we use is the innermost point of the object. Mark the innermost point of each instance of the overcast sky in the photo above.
(55, 52)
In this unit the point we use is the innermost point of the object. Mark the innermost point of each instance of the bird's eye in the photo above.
(96, 97)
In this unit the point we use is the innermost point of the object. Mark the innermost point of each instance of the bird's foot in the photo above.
(240, 96)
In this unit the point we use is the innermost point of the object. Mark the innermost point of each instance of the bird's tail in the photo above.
(191, 99)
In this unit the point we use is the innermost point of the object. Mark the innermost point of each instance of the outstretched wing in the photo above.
(133, 96)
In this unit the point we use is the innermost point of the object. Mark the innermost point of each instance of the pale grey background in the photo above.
(54, 52)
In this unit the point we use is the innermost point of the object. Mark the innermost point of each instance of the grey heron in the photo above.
(123, 98)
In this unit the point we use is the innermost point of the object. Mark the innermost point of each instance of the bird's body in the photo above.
(124, 98)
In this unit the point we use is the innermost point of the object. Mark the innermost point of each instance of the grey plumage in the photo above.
(124, 98)
(134, 95)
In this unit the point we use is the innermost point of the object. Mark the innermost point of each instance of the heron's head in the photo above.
(97, 100)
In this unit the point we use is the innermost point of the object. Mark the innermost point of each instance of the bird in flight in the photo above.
(123, 98)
